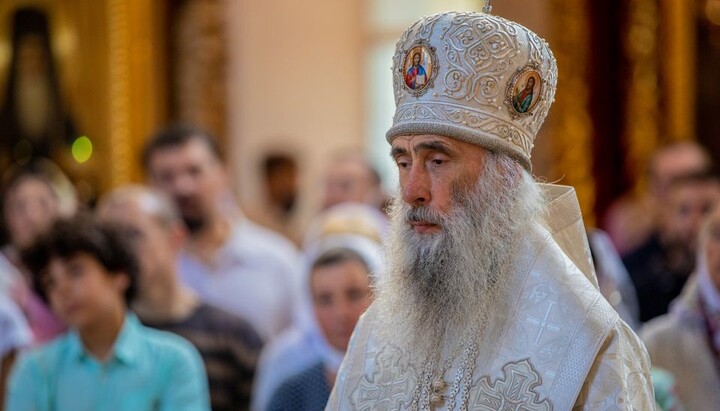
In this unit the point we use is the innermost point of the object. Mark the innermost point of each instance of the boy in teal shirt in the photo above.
(108, 360)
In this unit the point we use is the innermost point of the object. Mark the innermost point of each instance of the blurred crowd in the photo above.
(169, 296)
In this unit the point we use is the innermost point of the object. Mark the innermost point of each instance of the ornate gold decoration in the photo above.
(136, 97)
(571, 121)
(642, 109)
(679, 66)
(119, 104)
(200, 59)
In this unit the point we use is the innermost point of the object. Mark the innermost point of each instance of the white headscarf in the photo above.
(353, 226)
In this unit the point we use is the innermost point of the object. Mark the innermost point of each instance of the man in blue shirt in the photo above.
(108, 361)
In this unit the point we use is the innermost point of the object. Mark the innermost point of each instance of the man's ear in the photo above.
(121, 281)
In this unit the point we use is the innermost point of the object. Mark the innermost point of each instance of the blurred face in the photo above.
(193, 177)
(282, 187)
(82, 292)
(530, 83)
(432, 168)
(673, 163)
(30, 208)
(341, 293)
(712, 247)
(156, 246)
(350, 182)
(686, 206)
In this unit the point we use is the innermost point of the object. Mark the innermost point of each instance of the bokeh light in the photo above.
(82, 149)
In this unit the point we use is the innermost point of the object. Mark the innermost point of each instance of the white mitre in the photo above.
(478, 67)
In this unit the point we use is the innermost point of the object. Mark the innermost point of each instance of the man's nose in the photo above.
(416, 185)
(184, 184)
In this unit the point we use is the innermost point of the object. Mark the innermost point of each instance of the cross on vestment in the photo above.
(544, 323)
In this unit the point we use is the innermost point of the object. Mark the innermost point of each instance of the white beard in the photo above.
(440, 287)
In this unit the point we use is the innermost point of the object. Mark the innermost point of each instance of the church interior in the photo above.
(268, 76)
(308, 84)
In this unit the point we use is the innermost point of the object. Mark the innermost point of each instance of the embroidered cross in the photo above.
(515, 391)
(544, 323)
(390, 385)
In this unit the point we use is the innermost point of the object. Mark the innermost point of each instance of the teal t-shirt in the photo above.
(148, 370)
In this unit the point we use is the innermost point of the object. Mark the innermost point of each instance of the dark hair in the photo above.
(337, 256)
(38, 168)
(84, 233)
(177, 135)
(706, 176)
(277, 161)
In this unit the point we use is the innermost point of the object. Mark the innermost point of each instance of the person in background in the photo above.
(87, 271)
(613, 279)
(14, 335)
(339, 286)
(229, 346)
(665, 387)
(34, 196)
(278, 210)
(633, 218)
(228, 260)
(661, 266)
(350, 178)
(358, 227)
(686, 341)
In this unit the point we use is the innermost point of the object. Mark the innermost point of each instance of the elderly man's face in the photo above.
(432, 168)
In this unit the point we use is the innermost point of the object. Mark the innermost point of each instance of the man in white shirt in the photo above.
(229, 261)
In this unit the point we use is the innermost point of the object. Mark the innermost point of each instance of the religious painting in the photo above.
(524, 91)
(418, 70)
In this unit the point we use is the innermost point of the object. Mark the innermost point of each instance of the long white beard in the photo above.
(440, 287)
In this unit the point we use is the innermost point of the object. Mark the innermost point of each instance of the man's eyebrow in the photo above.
(395, 152)
(434, 146)
(438, 146)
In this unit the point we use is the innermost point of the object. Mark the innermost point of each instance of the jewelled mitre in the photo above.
(474, 77)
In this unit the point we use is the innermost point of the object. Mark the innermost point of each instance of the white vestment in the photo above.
(561, 347)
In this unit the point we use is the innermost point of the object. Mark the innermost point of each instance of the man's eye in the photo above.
(402, 163)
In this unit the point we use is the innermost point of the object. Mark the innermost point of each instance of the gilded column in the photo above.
(642, 103)
(679, 78)
(572, 125)
(119, 104)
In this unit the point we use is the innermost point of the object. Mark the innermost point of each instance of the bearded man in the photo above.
(489, 300)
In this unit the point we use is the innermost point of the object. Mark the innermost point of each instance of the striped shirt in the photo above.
(230, 348)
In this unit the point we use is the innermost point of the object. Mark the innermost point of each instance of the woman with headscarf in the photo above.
(686, 341)
(341, 244)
